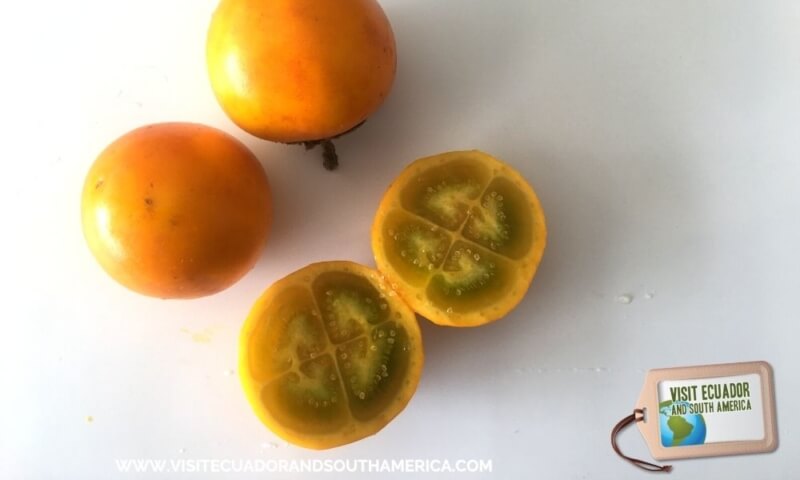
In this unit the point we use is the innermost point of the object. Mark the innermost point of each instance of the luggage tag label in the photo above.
(705, 411)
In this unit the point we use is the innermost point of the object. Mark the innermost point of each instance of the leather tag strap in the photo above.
(636, 416)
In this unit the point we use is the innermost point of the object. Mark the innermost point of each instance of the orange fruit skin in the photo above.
(298, 70)
(176, 210)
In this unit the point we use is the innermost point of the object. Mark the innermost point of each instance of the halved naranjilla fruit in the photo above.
(329, 355)
(460, 236)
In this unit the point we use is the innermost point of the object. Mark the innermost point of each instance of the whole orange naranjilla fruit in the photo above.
(300, 71)
(176, 210)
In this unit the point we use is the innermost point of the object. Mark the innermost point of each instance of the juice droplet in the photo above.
(624, 299)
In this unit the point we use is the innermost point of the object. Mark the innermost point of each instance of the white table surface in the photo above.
(663, 139)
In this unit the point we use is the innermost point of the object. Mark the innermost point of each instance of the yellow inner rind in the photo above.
(485, 225)
(330, 355)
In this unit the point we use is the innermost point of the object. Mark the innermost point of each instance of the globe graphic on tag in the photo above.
(680, 430)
